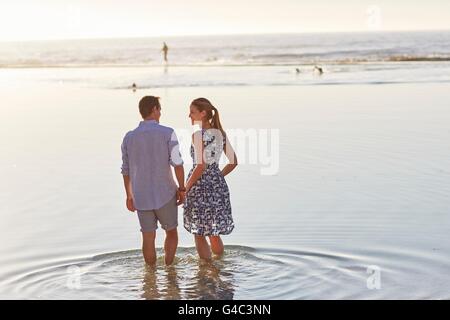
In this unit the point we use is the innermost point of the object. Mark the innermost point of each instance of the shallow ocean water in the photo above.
(362, 185)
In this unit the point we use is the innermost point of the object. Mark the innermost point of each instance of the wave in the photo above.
(255, 60)
(253, 50)
(345, 57)
(406, 58)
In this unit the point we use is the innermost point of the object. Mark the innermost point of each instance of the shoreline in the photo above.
(406, 61)
(160, 77)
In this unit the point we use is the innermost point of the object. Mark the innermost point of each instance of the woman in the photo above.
(207, 208)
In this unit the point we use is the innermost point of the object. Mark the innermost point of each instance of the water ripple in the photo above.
(242, 273)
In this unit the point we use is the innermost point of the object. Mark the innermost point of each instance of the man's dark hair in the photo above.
(147, 104)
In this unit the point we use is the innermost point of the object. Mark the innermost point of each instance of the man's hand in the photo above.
(181, 196)
(130, 205)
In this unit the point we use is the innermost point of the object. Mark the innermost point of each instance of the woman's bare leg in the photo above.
(202, 247)
(216, 245)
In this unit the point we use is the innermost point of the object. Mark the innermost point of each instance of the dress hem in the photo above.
(221, 233)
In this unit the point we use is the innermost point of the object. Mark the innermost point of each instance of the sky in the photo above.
(22, 20)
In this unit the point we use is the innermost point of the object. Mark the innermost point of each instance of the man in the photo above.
(148, 152)
(165, 49)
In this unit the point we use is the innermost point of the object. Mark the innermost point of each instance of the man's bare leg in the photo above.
(170, 246)
(148, 247)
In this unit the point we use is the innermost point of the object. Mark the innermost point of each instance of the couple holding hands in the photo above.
(149, 152)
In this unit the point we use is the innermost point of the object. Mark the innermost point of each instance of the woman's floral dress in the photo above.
(207, 208)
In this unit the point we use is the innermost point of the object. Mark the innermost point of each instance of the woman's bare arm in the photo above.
(232, 158)
(200, 162)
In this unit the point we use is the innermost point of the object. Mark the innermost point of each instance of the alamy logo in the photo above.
(252, 146)
(74, 277)
(374, 20)
(374, 279)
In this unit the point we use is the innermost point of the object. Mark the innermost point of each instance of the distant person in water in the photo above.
(319, 70)
(134, 87)
(297, 70)
(148, 153)
(207, 208)
(165, 50)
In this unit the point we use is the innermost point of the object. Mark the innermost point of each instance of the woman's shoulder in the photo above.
(214, 132)
(209, 134)
(202, 133)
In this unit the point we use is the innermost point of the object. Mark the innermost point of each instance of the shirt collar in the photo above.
(147, 122)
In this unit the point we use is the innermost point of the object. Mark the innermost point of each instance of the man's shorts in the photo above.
(167, 217)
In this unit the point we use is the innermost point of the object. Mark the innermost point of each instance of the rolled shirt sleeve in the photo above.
(175, 158)
(125, 169)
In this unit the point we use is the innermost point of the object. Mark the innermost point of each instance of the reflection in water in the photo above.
(166, 288)
(208, 281)
(213, 282)
(150, 288)
(242, 273)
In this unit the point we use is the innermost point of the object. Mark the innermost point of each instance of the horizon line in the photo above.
(225, 34)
